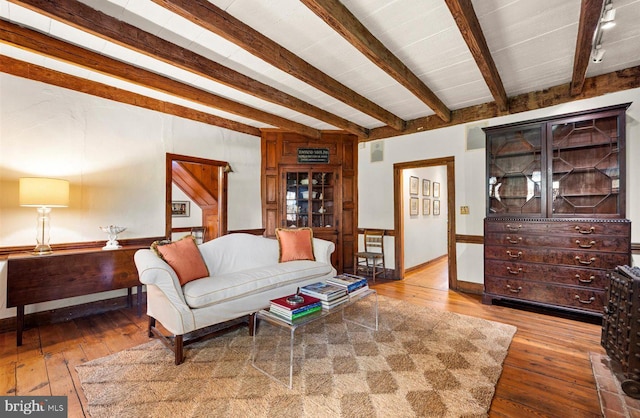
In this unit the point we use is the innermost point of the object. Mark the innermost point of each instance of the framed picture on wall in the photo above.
(436, 190)
(180, 208)
(426, 206)
(436, 207)
(413, 185)
(414, 203)
(426, 187)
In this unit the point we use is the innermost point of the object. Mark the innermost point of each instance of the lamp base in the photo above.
(42, 249)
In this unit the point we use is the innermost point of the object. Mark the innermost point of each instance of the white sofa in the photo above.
(244, 276)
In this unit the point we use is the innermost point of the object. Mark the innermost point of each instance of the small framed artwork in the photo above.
(436, 190)
(414, 202)
(436, 207)
(426, 206)
(426, 187)
(413, 185)
(180, 208)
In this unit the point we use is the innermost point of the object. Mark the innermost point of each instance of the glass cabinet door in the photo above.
(515, 172)
(309, 199)
(585, 166)
(297, 201)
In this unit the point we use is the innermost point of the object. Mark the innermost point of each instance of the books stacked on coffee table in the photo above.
(293, 307)
(354, 284)
(329, 294)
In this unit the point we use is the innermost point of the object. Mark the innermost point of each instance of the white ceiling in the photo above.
(532, 42)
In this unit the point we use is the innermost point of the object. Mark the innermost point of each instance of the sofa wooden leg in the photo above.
(178, 346)
(152, 324)
(252, 324)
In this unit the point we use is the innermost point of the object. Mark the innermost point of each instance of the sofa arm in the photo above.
(322, 250)
(154, 271)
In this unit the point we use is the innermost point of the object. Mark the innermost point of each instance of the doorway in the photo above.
(399, 215)
(204, 182)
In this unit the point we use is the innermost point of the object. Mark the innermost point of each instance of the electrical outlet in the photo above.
(464, 210)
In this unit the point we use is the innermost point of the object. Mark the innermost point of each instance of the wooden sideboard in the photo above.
(68, 273)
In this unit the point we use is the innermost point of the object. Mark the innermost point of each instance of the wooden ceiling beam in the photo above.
(39, 43)
(469, 26)
(626, 79)
(590, 11)
(34, 72)
(216, 20)
(346, 24)
(85, 18)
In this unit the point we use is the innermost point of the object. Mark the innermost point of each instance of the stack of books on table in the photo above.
(354, 284)
(329, 294)
(284, 309)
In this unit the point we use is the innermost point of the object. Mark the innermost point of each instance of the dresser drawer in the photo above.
(574, 276)
(547, 294)
(584, 258)
(586, 228)
(515, 226)
(596, 242)
(572, 227)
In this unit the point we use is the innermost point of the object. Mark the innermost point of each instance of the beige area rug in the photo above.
(421, 362)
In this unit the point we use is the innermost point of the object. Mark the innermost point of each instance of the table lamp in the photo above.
(43, 193)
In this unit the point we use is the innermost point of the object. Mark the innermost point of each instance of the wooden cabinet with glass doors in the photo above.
(569, 166)
(309, 199)
(319, 195)
(555, 209)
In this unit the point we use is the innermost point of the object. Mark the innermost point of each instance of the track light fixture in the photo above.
(606, 21)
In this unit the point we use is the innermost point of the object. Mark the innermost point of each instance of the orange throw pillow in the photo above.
(184, 258)
(295, 244)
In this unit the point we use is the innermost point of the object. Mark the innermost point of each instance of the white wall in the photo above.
(376, 209)
(417, 249)
(114, 157)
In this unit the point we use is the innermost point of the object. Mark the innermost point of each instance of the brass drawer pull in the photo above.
(514, 241)
(586, 231)
(513, 228)
(518, 255)
(512, 290)
(516, 272)
(586, 302)
(589, 280)
(587, 245)
(586, 263)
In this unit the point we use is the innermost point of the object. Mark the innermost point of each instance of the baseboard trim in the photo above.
(470, 287)
(423, 265)
(68, 313)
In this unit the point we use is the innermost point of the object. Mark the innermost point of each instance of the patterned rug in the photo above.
(420, 362)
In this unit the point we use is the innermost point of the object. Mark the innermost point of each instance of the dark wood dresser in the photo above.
(558, 263)
(555, 222)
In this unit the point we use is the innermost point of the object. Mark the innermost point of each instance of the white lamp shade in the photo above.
(38, 191)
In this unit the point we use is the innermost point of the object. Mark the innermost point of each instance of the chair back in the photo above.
(374, 240)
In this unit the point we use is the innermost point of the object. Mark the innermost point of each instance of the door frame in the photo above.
(221, 192)
(398, 214)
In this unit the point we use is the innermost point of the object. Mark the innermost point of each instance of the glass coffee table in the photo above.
(271, 349)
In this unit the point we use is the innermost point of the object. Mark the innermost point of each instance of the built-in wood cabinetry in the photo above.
(555, 209)
(321, 195)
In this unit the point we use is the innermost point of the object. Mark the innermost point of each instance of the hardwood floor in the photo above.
(547, 372)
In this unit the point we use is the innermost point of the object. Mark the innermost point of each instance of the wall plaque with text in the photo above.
(313, 155)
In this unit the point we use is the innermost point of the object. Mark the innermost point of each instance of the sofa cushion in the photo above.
(295, 244)
(222, 288)
(184, 258)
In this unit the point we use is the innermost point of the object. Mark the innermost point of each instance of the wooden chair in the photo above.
(372, 258)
